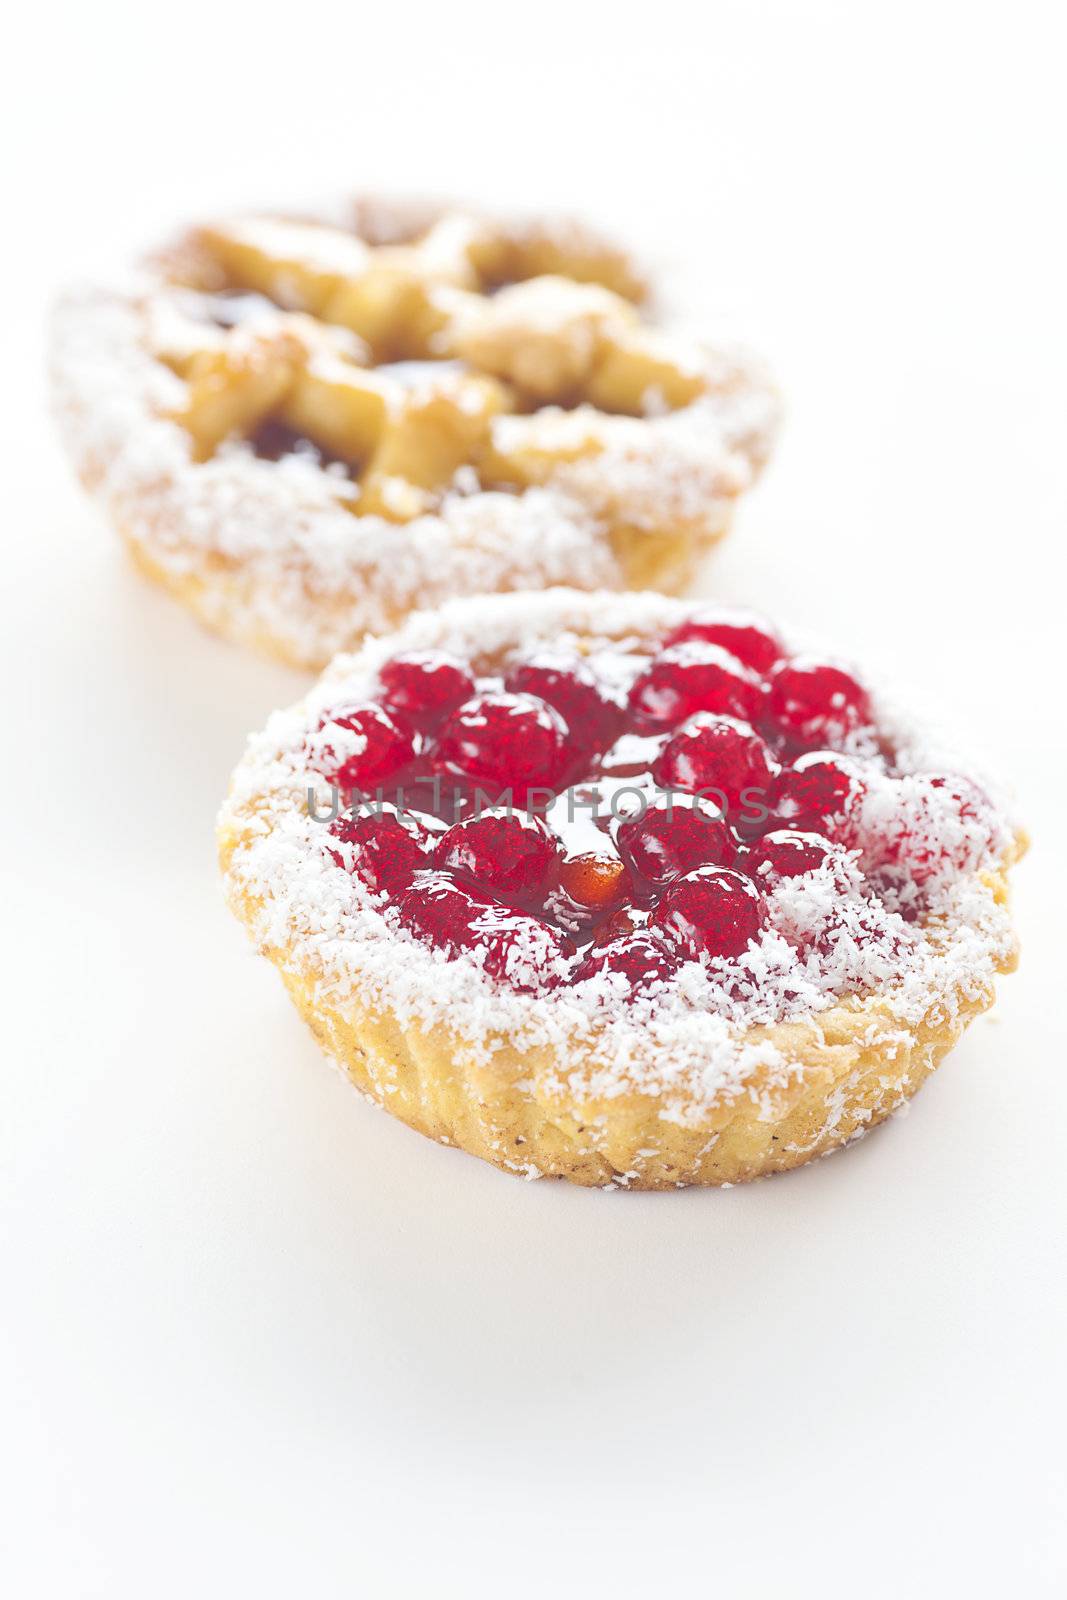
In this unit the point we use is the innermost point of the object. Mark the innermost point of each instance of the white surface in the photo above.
(256, 1337)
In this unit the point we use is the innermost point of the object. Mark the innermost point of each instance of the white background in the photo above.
(256, 1337)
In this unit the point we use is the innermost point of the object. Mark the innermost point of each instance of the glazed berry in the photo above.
(692, 677)
(425, 685)
(816, 703)
(594, 882)
(524, 952)
(377, 748)
(676, 833)
(710, 912)
(385, 848)
(505, 741)
(819, 793)
(520, 950)
(505, 852)
(440, 911)
(745, 634)
(639, 958)
(720, 758)
(567, 683)
(786, 854)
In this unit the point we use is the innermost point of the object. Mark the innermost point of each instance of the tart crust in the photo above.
(524, 1081)
(278, 554)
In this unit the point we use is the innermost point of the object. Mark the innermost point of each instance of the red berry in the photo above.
(506, 741)
(385, 848)
(936, 824)
(362, 747)
(816, 702)
(441, 912)
(676, 833)
(819, 793)
(746, 635)
(519, 950)
(710, 912)
(785, 854)
(687, 678)
(720, 757)
(639, 958)
(425, 684)
(567, 683)
(505, 852)
(523, 952)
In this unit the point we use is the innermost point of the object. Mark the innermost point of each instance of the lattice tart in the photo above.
(618, 888)
(306, 429)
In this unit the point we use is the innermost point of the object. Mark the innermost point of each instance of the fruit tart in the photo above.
(306, 428)
(619, 888)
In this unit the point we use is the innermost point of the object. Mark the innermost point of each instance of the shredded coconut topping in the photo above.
(279, 549)
(831, 942)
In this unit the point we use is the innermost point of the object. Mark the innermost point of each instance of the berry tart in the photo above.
(306, 428)
(619, 888)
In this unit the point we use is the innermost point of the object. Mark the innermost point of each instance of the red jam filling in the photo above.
(730, 753)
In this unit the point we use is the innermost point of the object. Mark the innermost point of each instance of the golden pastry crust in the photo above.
(530, 1083)
(305, 431)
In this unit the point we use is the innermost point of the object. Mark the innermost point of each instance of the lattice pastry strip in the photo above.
(407, 367)
(551, 340)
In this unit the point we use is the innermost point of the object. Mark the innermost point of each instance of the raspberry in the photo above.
(505, 741)
(692, 677)
(425, 684)
(379, 747)
(819, 793)
(786, 854)
(710, 912)
(386, 847)
(567, 684)
(815, 702)
(639, 958)
(522, 951)
(441, 912)
(677, 833)
(718, 756)
(745, 634)
(505, 852)
(940, 824)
